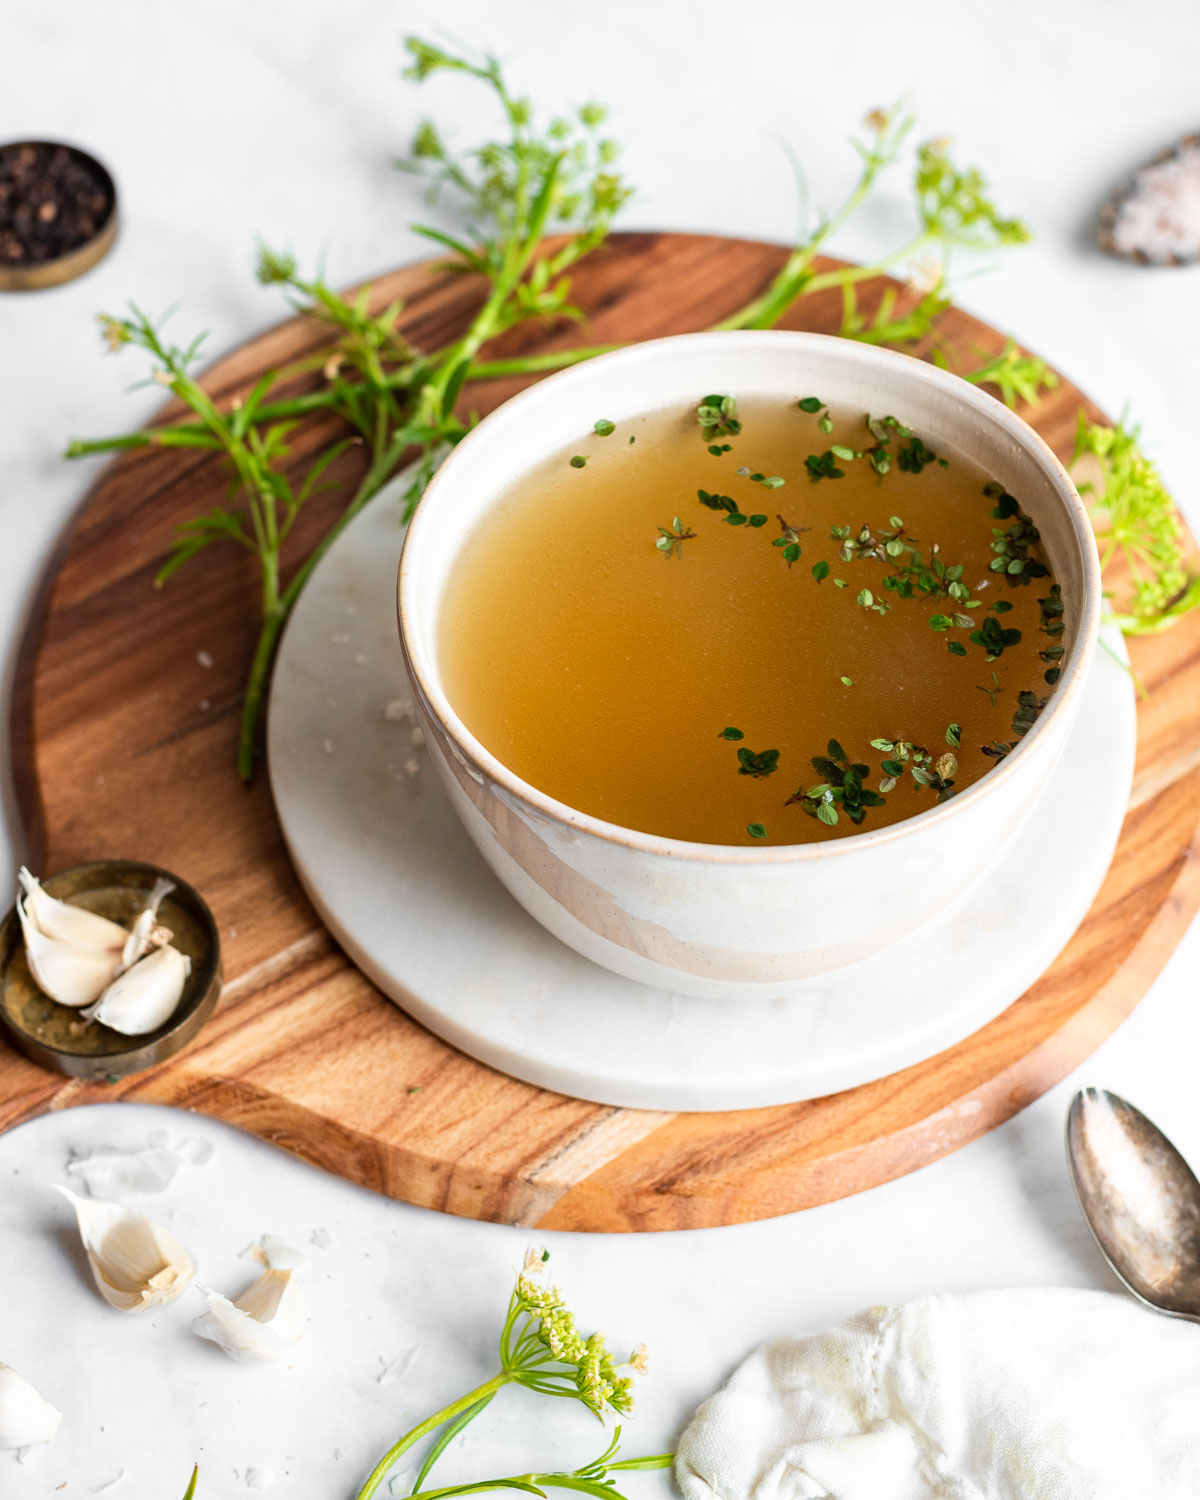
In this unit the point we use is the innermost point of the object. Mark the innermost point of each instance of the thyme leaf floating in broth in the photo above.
(761, 765)
(717, 416)
(789, 541)
(671, 539)
(842, 788)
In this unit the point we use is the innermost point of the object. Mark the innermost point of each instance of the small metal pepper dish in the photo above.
(58, 214)
(60, 1037)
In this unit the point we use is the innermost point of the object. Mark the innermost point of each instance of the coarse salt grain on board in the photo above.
(1154, 217)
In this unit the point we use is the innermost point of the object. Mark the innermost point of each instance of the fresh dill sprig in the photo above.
(397, 401)
(1135, 519)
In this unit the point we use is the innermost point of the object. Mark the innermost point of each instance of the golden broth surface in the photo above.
(603, 672)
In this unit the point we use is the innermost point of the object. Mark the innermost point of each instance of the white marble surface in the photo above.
(224, 120)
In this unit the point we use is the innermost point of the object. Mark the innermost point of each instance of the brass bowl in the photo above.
(54, 1035)
(46, 273)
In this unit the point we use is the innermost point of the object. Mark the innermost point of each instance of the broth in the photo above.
(681, 679)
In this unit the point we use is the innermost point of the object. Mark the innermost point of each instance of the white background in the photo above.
(226, 120)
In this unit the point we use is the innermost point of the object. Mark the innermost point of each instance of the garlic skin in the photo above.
(26, 1418)
(146, 931)
(143, 997)
(137, 1264)
(67, 923)
(261, 1326)
(68, 972)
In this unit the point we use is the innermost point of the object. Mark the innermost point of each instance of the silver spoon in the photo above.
(1140, 1198)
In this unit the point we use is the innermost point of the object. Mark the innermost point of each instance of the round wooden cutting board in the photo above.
(124, 728)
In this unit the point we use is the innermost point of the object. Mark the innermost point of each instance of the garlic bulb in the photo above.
(260, 1327)
(146, 932)
(25, 1417)
(68, 972)
(67, 923)
(136, 1263)
(142, 998)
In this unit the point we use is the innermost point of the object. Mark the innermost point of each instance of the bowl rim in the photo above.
(425, 675)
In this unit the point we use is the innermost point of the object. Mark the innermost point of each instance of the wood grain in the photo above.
(124, 745)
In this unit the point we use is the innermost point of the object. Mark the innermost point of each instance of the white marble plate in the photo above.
(401, 887)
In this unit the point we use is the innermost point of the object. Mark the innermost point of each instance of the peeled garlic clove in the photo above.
(25, 1417)
(146, 930)
(66, 922)
(136, 1263)
(142, 998)
(67, 972)
(261, 1326)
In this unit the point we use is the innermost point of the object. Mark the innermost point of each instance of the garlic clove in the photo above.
(146, 931)
(275, 1254)
(26, 1418)
(68, 972)
(261, 1326)
(67, 923)
(136, 1263)
(143, 997)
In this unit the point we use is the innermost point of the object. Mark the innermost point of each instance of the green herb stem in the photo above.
(481, 1394)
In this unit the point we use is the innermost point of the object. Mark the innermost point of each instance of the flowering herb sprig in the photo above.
(1135, 519)
(542, 1349)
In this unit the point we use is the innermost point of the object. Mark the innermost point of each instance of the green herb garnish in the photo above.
(731, 734)
(820, 570)
(1029, 706)
(867, 600)
(1135, 518)
(993, 637)
(822, 466)
(938, 775)
(1012, 546)
(670, 541)
(954, 735)
(842, 787)
(789, 541)
(915, 457)
(847, 681)
(760, 765)
(604, 428)
(756, 830)
(992, 692)
(717, 416)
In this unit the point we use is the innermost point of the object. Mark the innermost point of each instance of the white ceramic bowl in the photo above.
(704, 919)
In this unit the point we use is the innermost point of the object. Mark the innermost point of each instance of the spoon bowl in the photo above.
(1140, 1198)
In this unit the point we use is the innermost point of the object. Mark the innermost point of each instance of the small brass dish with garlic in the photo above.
(107, 968)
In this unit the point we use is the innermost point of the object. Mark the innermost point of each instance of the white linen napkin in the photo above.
(1018, 1395)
